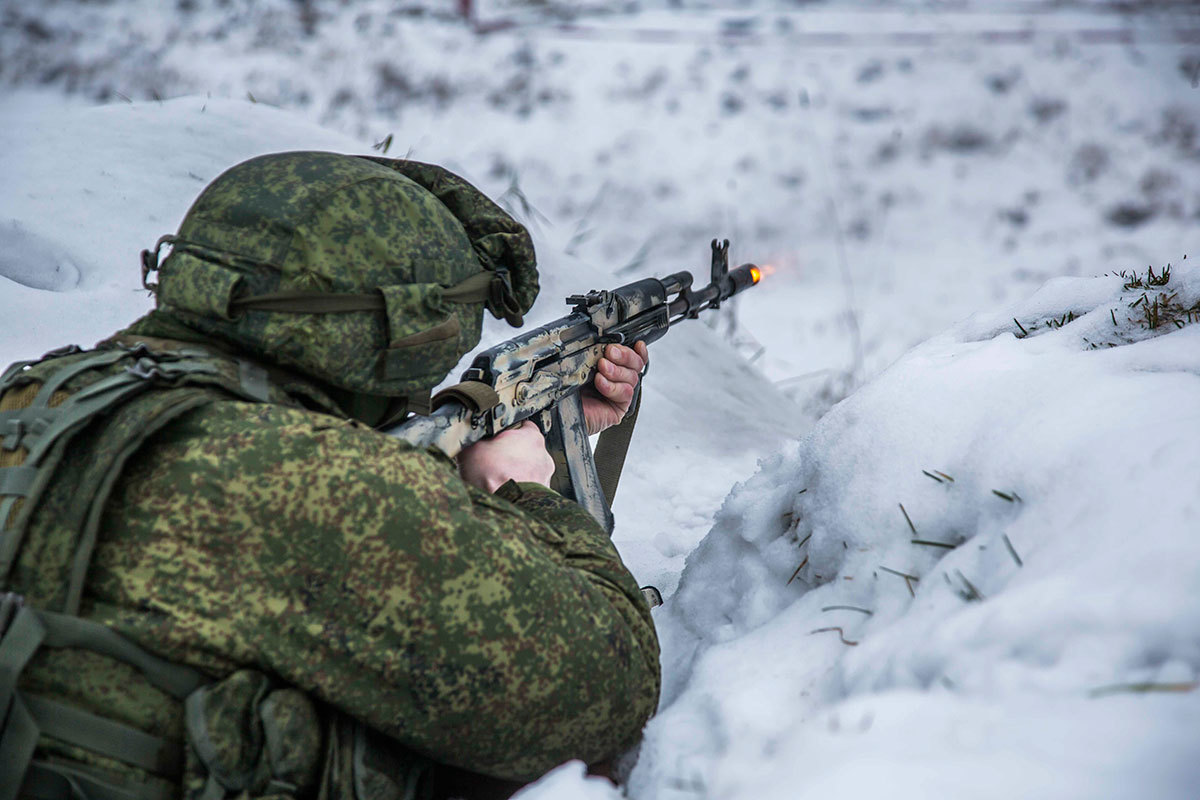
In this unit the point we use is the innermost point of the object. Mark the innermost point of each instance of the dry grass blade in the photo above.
(931, 543)
(907, 519)
(797, 572)
(908, 579)
(1143, 688)
(972, 593)
(866, 611)
(840, 633)
(1159, 280)
(1012, 551)
(928, 474)
(384, 144)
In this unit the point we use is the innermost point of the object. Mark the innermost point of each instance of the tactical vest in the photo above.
(69, 422)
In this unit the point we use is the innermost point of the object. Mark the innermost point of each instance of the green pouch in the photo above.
(251, 740)
(383, 770)
(198, 285)
(423, 332)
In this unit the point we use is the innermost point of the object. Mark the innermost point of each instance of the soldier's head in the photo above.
(368, 274)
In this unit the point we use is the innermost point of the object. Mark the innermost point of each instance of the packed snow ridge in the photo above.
(977, 576)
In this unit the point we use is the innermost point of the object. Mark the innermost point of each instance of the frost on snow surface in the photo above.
(975, 577)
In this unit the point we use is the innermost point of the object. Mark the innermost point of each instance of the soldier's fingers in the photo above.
(617, 374)
(641, 349)
(620, 394)
(625, 356)
(525, 432)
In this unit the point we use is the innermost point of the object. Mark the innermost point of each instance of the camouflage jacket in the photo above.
(328, 575)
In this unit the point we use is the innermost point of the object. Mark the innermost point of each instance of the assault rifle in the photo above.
(539, 374)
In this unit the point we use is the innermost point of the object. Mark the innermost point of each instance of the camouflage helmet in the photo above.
(369, 274)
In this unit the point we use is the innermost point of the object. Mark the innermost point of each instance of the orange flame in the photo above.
(755, 274)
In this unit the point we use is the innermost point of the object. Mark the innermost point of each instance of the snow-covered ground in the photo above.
(1027, 624)
(977, 576)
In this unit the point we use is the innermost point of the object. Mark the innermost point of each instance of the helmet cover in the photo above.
(322, 225)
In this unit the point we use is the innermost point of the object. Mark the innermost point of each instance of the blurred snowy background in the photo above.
(908, 171)
(896, 167)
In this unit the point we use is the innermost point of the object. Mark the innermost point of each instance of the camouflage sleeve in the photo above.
(586, 546)
(502, 637)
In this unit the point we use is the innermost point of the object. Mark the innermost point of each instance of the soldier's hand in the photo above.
(517, 454)
(606, 404)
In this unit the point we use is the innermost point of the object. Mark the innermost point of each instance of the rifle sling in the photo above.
(613, 446)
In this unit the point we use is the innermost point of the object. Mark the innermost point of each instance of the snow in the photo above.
(570, 782)
(941, 222)
(86, 189)
(1014, 653)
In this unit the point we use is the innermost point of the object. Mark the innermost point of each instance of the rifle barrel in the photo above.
(689, 304)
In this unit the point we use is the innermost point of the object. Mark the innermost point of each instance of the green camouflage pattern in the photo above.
(291, 738)
(412, 310)
(501, 243)
(107, 688)
(497, 633)
(361, 610)
(329, 223)
(502, 637)
(63, 510)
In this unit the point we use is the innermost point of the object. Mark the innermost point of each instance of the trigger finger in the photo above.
(625, 356)
(616, 373)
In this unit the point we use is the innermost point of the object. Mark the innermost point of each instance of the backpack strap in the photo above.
(23, 632)
(183, 378)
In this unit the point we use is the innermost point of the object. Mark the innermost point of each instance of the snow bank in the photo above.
(977, 576)
(87, 189)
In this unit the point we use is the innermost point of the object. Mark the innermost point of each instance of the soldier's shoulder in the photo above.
(240, 429)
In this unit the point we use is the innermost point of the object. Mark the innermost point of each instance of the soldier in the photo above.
(224, 581)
